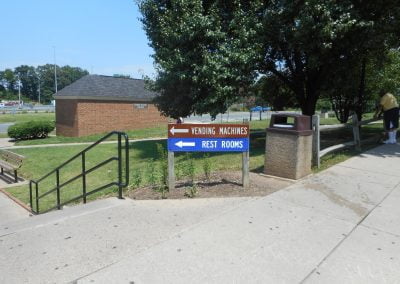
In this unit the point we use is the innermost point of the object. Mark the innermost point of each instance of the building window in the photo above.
(140, 106)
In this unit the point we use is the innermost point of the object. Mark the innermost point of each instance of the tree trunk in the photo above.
(310, 101)
(309, 106)
(361, 91)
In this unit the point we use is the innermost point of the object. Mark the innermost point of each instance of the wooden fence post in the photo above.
(246, 165)
(316, 141)
(245, 169)
(356, 133)
(171, 170)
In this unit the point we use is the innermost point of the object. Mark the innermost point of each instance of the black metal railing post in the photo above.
(58, 188)
(83, 177)
(37, 197)
(119, 166)
(120, 183)
(30, 195)
(126, 160)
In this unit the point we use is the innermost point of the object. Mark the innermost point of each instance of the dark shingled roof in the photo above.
(106, 88)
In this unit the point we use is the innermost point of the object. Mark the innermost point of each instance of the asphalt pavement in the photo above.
(4, 127)
(234, 116)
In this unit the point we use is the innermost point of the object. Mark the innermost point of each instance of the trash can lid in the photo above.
(297, 123)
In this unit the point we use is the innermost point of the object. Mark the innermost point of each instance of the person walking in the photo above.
(390, 108)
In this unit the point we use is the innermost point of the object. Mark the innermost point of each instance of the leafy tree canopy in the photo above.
(208, 53)
(42, 77)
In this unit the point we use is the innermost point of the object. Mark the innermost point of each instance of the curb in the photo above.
(16, 200)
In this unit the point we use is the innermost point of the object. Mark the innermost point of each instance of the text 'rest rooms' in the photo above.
(220, 131)
(224, 144)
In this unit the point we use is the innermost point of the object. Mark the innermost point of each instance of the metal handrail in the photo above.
(83, 174)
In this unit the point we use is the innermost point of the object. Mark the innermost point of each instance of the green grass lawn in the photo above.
(24, 117)
(145, 165)
(151, 132)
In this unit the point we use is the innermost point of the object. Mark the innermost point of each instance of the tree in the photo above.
(275, 93)
(31, 76)
(208, 53)
(29, 81)
(65, 76)
(202, 54)
(8, 80)
(126, 76)
(47, 85)
(385, 76)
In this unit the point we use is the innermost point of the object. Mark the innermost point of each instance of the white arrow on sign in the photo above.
(174, 130)
(181, 144)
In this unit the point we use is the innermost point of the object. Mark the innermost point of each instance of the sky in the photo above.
(102, 36)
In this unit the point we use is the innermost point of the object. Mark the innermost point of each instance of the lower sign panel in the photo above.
(208, 144)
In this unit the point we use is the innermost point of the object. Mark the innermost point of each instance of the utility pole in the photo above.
(19, 91)
(39, 88)
(55, 69)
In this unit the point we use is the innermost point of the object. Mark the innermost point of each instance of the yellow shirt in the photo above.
(388, 101)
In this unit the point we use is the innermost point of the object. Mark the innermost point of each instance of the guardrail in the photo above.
(355, 125)
(82, 175)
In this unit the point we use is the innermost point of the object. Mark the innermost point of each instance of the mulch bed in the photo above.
(220, 184)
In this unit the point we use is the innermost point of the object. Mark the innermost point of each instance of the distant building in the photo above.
(97, 104)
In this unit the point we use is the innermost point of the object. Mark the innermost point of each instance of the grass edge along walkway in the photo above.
(182, 162)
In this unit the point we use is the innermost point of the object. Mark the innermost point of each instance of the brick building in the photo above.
(97, 104)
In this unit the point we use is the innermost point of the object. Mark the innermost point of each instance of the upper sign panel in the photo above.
(208, 130)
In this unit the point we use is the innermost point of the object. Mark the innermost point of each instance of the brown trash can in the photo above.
(288, 149)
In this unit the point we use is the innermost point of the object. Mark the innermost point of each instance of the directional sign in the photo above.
(208, 144)
(208, 138)
(208, 130)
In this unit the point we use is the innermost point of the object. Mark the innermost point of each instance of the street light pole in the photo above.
(55, 69)
(39, 88)
(19, 92)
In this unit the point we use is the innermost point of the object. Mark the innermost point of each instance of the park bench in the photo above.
(10, 162)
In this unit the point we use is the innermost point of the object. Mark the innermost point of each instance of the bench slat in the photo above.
(10, 161)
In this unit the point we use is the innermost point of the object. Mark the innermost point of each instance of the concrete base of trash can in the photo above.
(288, 155)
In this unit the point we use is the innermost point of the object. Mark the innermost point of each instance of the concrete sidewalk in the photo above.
(339, 226)
(10, 211)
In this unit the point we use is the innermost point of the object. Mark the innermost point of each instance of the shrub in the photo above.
(207, 166)
(136, 178)
(163, 164)
(150, 173)
(191, 192)
(30, 130)
(189, 168)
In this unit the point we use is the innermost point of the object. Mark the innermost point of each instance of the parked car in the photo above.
(260, 108)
